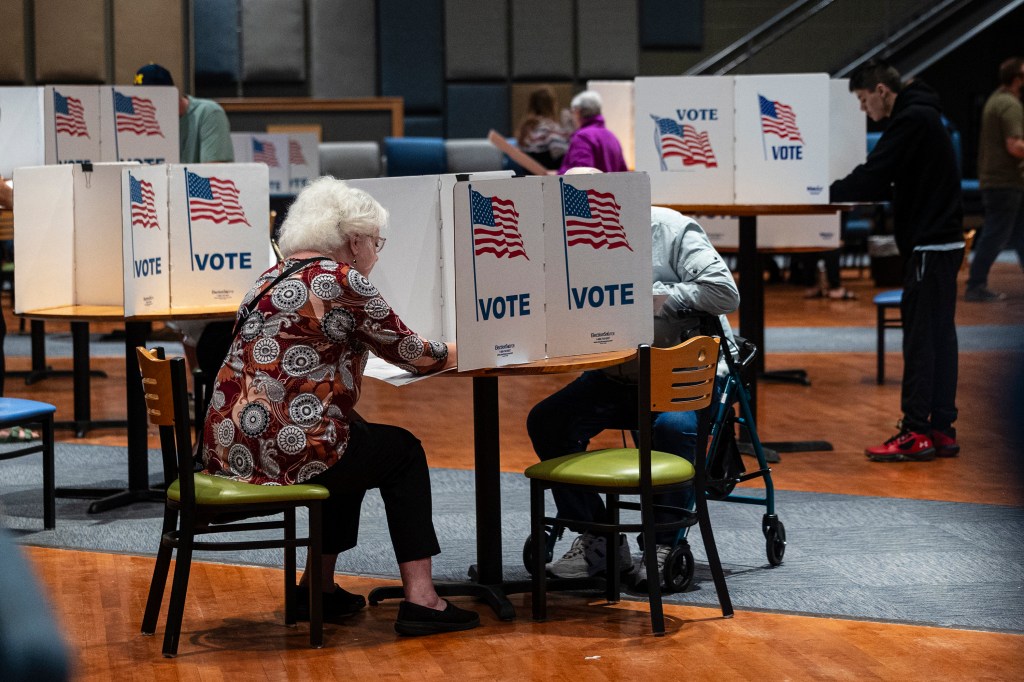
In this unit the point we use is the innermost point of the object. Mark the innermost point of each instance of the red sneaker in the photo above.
(905, 446)
(945, 446)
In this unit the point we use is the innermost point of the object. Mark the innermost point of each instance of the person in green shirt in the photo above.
(205, 136)
(1001, 177)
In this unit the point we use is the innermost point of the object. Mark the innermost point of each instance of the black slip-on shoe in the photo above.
(414, 620)
(338, 605)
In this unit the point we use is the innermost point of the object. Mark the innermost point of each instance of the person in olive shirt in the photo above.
(1001, 176)
(205, 136)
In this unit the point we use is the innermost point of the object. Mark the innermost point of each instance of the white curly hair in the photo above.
(588, 103)
(326, 214)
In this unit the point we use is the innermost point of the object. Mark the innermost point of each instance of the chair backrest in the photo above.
(414, 156)
(473, 155)
(350, 160)
(163, 383)
(682, 378)
(676, 379)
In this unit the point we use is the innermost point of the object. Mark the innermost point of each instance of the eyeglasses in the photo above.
(378, 242)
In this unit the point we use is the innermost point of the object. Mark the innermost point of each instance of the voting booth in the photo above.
(87, 124)
(140, 123)
(148, 238)
(292, 159)
(67, 236)
(684, 129)
(759, 139)
(49, 125)
(518, 269)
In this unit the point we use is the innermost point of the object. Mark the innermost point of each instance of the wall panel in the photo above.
(476, 39)
(149, 31)
(12, 43)
(343, 48)
(71, 41)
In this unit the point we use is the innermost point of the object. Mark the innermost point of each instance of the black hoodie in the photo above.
(914, 166)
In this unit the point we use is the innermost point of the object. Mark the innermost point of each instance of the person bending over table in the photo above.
(693, 278)
(283, 405)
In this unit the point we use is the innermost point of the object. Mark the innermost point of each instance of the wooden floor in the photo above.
(233, 618)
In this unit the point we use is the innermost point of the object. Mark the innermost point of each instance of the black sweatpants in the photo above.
(929, 341)
(392, 459)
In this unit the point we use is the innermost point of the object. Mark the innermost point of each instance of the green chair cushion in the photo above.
(614, 467)
(217, 490)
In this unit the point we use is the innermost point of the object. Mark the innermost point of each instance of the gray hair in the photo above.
(326, 214)
(588, 103)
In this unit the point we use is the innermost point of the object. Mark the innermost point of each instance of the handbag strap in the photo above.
(248, 310)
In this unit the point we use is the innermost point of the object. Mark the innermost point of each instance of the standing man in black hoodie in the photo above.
(914, 166)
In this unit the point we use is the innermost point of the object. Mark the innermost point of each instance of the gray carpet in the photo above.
(909, 561)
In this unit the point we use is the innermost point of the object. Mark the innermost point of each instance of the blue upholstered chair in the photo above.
(24, 413)
(415, 156)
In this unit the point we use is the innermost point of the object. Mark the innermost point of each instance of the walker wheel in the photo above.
(775, 543)
(528, 551)
(678, 568)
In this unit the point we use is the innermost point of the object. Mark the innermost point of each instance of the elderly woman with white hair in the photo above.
(592, 145)
(282, 410)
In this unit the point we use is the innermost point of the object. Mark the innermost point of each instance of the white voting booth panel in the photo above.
(409, 273)
(777, 231)
(145, 245)
(617, 109)
(67, 220)
(782, 139)
(597, 262)
(848, 128)
(499, 271)
(219, 231)
(684, 133)
(303, 160)
(270, 149)
(140, 123)
(21, 129)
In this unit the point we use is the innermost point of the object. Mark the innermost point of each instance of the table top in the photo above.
(560, 365)
(111, 313)
(759, 209)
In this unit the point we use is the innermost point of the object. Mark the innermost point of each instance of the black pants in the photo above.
(392, 459)
(929, 341)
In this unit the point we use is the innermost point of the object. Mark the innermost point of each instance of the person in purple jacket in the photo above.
(592, 145)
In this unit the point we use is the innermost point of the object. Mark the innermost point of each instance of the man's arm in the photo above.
(872, 180)
(705, 282)
(1015, 147)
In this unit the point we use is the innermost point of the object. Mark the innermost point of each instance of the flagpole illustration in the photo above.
(657, 143)
(56, 134)
(565, 241)
(188, 212)
(764, 144)
(117, 141)
(472, 251)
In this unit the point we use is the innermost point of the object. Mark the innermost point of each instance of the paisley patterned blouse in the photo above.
(283, 398)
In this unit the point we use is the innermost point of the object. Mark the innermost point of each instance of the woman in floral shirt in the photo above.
(282, 410)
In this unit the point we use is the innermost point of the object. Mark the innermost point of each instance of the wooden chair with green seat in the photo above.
(681, 378)
(199, 504)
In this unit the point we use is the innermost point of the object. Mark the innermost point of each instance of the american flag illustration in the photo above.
(69, 115)
(684, 142)
(295, 157)
(143, 206)
(496, 227)
(592, 218)
(264, 152)
(778, 119)
(135, 115)
(213, 199)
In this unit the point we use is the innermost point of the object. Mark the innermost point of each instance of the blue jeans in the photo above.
(1004, 227)
(565, 421)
